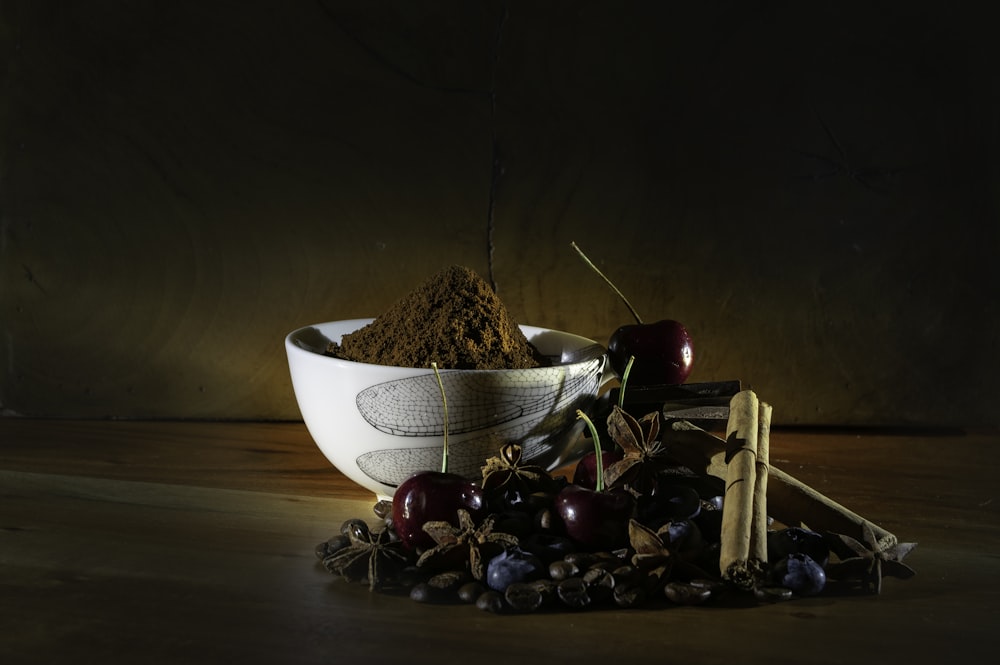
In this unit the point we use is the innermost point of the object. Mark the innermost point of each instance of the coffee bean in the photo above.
(573, 593)
(423, 592)
(490, 601)
(470, 591)
(560, 570)
(548, 589)
(410, 575)
(686, 594)
(629, 595)
(523, 597)
(547, 521)
(772, 594)
(382, 509)
(715, 587)
(449, 582)
(332, 546)
(356, 526)
(600, 584)
(625, 575)
(581, 560)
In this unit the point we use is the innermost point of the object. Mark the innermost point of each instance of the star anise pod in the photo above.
(652, 556)
(657, 557)
(868, 560)
(466, 545)
(644, 455)
(370, 555)
(508, 473)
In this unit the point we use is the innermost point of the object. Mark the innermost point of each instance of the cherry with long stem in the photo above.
(428, 496)
(664, 348)
(444, 406)
(608, 281)
(624, 382)
(598, 453)
(594, 518)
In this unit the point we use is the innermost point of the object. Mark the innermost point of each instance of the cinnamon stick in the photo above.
(738, 501)
(790, 501)
(758, 534)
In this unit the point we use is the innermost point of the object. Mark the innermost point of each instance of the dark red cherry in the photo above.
(585, 473)
(433, 496)
(595, 520)
(663, 351)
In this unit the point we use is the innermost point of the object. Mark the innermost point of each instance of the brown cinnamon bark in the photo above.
(758, 534)
(738, 502)
(790, 501)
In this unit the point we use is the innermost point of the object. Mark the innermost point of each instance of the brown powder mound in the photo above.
(454, 319)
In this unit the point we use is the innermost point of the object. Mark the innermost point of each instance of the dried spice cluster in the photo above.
(454, 319)
(522, 556)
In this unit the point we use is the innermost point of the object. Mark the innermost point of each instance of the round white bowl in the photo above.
(379, 424)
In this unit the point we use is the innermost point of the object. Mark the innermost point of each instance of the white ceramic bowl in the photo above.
(379, 424)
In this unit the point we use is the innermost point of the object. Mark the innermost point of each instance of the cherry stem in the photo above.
(621, 388)
(444, 402)
(598, 453)
(609, 282)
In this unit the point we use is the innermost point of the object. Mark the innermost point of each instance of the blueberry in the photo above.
(512, 566)
(678, 531)
(547, 547)
(683, 501)
(800, 573)
(796, 540)
(669, 503)
(685, 538)
(515, 522)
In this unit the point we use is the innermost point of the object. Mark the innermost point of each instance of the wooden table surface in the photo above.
(182, 542)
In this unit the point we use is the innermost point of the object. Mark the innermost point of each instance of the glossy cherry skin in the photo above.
(432, 496)
(585, 473)
(664, 353)
(595, 520)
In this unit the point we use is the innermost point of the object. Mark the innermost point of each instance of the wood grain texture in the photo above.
(811, 190)
(196, 545)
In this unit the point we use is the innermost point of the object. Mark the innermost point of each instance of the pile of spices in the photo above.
(454, 319)
(693, 532)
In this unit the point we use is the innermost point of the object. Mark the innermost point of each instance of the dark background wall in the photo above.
(811, 187)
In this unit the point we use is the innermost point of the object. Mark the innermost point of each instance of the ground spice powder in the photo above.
(454, 319)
